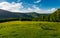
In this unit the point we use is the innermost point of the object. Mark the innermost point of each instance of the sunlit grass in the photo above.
(30, 29)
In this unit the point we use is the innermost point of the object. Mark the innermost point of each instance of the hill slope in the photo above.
(55, 16)
(7, 14)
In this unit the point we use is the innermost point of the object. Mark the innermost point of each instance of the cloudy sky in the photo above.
(39, 6)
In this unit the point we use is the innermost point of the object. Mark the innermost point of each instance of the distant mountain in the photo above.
(32, 16)
(28, 15)
(7, 14)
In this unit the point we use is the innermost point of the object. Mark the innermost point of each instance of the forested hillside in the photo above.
(49, 17)
(55, 16)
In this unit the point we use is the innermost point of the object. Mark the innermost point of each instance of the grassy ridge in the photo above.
(18, 29)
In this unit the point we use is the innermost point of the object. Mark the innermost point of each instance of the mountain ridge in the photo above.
(8, 14)
(33, 16)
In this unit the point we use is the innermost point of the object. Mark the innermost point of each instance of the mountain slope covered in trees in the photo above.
(49, 17)
(55, 16)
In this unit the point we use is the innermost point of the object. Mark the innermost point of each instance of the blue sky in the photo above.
(42, 4)
(39, 5)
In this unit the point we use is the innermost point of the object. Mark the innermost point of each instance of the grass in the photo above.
(32, 29)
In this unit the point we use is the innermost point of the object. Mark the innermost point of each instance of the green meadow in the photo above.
(30, 29)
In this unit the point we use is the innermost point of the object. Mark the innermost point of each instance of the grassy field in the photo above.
(32, 29)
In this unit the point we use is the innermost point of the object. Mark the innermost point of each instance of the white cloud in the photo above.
(18, 7)
(38, 10)
(51, 10)
(37, 1)
(14, 7)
